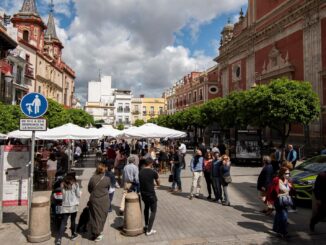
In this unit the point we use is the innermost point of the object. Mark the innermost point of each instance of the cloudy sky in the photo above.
(145, 45)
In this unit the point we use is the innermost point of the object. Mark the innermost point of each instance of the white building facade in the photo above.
(100, 100)
(122, 110)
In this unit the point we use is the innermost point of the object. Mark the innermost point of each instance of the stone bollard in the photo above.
(39, 224)
(133, 224)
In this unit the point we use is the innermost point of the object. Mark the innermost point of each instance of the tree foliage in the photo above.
(9, 117)
(80, 117)
(139, 122)
(120, 127)
(277, 105)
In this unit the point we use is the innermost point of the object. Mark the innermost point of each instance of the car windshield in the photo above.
(315, 164)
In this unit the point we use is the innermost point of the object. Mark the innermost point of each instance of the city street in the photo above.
(183, 221)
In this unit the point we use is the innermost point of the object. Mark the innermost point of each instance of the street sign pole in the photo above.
(33, 105)
(31, 178)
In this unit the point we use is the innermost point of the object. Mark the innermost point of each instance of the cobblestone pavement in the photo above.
(181, 221)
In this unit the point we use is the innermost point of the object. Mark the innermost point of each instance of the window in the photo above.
(152, 110)
(19, 75)
(189, 98)
(105, 112)
(144, 110)
(58, 96)
(39, 89)
(161, 110)
(127, 108)
(120, 108)
(127, 120)
(25, 35)
(35, 32)
(213, 89)
(195, 96)
(201, 94)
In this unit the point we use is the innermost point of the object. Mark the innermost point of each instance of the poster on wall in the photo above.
(14, 164)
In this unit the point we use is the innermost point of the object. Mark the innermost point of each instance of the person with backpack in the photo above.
(70, 201)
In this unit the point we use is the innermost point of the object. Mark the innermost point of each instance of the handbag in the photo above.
(227, 179)
(171, 178)
(285, 201)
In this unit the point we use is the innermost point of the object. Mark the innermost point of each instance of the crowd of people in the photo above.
(136, 167)
(276, 191)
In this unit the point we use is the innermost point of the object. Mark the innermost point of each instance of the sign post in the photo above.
(33, 105)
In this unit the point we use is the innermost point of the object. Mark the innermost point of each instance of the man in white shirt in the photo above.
(182, 151)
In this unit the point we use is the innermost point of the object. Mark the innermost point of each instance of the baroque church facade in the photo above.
(45, 71)
(277, 38)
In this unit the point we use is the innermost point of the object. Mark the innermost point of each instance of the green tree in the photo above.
(9, 117)
(280, 104)
(120, 127)
(152, 120)
(56, 114)
(139, 122)
(80, 117)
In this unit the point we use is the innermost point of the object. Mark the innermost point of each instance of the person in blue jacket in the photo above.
(196, 167)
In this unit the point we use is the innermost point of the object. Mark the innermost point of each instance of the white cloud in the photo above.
(133, 40)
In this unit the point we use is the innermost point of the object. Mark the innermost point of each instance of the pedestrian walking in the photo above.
(111, 176)
(98, 201)
(319, 209)
(292, 156)
(130, 180)
(207, 173)
(216, 177)
(70, 201)
(279, 195)
(147, 176)
(182, 151)
(265, 179)
(176, 161)
(226, 178)
(51, 169)
(196, 167)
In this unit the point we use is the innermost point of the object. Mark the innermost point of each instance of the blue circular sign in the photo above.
(34, 105)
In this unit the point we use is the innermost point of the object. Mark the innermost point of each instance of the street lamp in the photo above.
(8, 87)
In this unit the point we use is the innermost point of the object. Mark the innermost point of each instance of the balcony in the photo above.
(29, 71)
(127, 122)
(144, 113)
(135, 112)
(119, 109)
(127, 109)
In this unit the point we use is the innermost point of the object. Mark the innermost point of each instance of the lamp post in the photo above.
(8, 87)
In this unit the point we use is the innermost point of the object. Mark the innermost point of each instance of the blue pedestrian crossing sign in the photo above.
(34, 105)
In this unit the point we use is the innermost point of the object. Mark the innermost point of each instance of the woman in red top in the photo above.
(207, 173)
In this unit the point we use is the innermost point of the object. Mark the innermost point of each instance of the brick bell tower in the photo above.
(52, 45)
(29, 25)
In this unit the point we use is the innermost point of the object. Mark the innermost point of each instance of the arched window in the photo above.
(25, 36)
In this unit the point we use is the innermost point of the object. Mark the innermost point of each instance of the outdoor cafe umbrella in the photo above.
(150, 130)
(23, 134)
(68, 131)
(3, 136)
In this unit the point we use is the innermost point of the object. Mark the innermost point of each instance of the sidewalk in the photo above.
(182, 221)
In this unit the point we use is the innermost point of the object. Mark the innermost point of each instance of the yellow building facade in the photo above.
(147, 108)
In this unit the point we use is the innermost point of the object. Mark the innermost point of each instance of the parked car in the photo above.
(304, 176)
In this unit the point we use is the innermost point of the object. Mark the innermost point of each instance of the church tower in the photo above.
(29, 25)
(52, 45)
